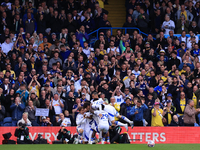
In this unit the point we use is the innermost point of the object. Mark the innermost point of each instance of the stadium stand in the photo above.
(55, 54)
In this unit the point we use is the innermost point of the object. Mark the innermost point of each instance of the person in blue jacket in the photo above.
(158, 88)
(183, 64)
(137, 112)
(23, 94)
(17, 109)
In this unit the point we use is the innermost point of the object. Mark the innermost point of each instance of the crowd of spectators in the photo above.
(46, 61)
(163, 15)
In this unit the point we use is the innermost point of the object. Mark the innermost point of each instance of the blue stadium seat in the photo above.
(7, 121)
(7, 124)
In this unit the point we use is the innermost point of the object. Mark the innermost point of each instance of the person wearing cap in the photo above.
(169, 98)
(170, 111)
(53, 38)
(45, 121)
(147, 48)
(181, 51)
(64, 136)
(157, 115)
(162, 52)
(22, 134)
(173, 60)
(83, 97)
(168, 25)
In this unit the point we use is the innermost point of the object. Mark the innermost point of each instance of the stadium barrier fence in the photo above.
(137, 135)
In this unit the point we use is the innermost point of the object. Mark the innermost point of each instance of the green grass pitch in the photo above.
(101, 147)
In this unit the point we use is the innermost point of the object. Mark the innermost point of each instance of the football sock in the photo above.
(120, 124)
(126, 119)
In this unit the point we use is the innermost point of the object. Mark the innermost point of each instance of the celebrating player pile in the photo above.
(96, 117)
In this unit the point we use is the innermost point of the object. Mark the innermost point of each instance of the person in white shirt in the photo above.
(103, 125)
(130, 76)
(80, 122)
(168, 25)
(25, 119)
(192, 38)
(64, 121)
(7, 4)
(57, 103)
(113, 48)
(119, 98)
(87, 49)
(183, 37)
(88, 122)
(97, 105)
(77, 82)
(32, 41)
(7, 46)
(136, 71)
